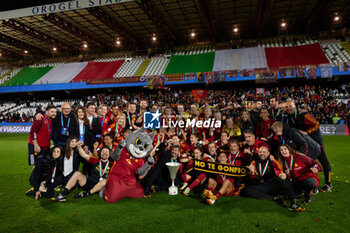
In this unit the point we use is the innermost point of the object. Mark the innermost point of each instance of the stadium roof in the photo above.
(170, 21)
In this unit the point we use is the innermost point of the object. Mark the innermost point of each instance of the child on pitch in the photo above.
(95, 182)
(301, 170)
(222, 183)
(191, 173)
(268, 178)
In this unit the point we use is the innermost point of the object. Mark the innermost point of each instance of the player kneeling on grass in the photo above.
(199, 176)
(268, 178)
(301, 170)
(223, 183)
(95, 182)
(43, 175)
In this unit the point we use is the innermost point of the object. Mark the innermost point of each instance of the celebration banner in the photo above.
(311, 72)
(133, 79)
(231, 73)
(344, 66)
(266, 75)
(191, 76)
(286, 71)
(209, 77)
(221, 169)
(246, 73)
(155, 82)
(200, 76)
(174, 77)
(219, 76)
(326, 70)
(300, 70)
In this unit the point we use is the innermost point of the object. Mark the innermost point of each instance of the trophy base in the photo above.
(173, 190)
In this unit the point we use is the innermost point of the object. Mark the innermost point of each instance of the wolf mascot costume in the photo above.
(129, 157)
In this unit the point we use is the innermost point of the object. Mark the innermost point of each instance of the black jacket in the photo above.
(300, 142)
(42, 171)
(58, 138)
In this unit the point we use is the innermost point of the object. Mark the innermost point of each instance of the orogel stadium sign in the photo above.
(56, 7)
(221, 169)
(152, 120)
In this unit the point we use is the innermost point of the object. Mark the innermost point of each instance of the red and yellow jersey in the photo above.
(222, 178)
(237, 159)
(159, 138)
(299, 166)
(263, 128)
(111, 147)
(126, 167)
(104, 121)
(114, 128)
(233, 132)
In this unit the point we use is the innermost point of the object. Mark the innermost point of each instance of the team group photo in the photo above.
(174, 116)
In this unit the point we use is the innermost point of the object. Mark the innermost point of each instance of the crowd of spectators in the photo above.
(328, 105)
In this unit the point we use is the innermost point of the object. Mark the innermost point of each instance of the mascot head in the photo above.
(139, 143)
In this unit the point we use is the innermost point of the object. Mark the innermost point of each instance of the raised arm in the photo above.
(82, 153)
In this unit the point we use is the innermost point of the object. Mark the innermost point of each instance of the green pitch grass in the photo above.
(328, 212)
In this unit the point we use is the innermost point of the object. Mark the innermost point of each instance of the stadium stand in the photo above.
(157, 66)
(62, 73)
(129, 68)
(335, 52)
(239, 59)
(311, 54)
(190, 63)
(27, 76)
(143, 67)
(7, 106)
(98, 70)
(8, 75)
(346, 46)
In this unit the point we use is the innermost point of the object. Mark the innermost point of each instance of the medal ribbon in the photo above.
(104, 170)
(291, 164)
(223, 177)
(162, 138)
(53, 174)
(265, 168)
(127, 112)
(235, 158)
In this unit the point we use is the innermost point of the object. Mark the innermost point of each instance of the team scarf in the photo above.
(218, 168)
